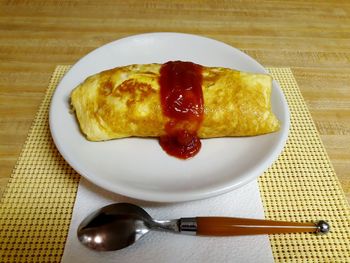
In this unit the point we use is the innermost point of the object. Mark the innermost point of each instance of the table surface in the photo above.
(311, 37)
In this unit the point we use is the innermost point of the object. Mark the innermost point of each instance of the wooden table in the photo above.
(311, 37)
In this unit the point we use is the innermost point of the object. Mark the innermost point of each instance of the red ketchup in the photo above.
(182, 102)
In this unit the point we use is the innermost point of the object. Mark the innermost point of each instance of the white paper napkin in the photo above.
(167, 247)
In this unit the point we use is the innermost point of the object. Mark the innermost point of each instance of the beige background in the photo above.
(311, 37)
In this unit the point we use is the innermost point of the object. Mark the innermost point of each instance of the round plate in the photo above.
(138, 167)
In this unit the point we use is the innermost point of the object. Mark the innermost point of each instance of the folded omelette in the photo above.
(125, 101)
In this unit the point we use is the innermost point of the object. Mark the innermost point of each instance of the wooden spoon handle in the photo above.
(228, 226)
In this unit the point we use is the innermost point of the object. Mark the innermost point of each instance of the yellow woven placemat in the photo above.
(302, 186)
(37, 205)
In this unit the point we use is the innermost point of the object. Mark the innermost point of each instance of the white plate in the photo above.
(138, 167)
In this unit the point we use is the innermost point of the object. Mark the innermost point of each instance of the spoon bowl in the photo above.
(114, 227)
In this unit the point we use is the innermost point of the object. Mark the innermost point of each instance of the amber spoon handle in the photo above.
(230, 226)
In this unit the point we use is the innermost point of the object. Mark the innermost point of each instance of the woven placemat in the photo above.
(302, 186)
(37, 205)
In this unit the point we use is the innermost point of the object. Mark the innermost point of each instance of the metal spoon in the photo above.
(117, 226)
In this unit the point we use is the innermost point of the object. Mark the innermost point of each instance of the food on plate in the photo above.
(179, 102)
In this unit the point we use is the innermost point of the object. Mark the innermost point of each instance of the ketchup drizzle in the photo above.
(182, 102)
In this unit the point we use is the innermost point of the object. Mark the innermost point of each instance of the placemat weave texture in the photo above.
(37, 205)
(302, 186)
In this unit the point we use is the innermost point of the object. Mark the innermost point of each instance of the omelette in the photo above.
(127, 101)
